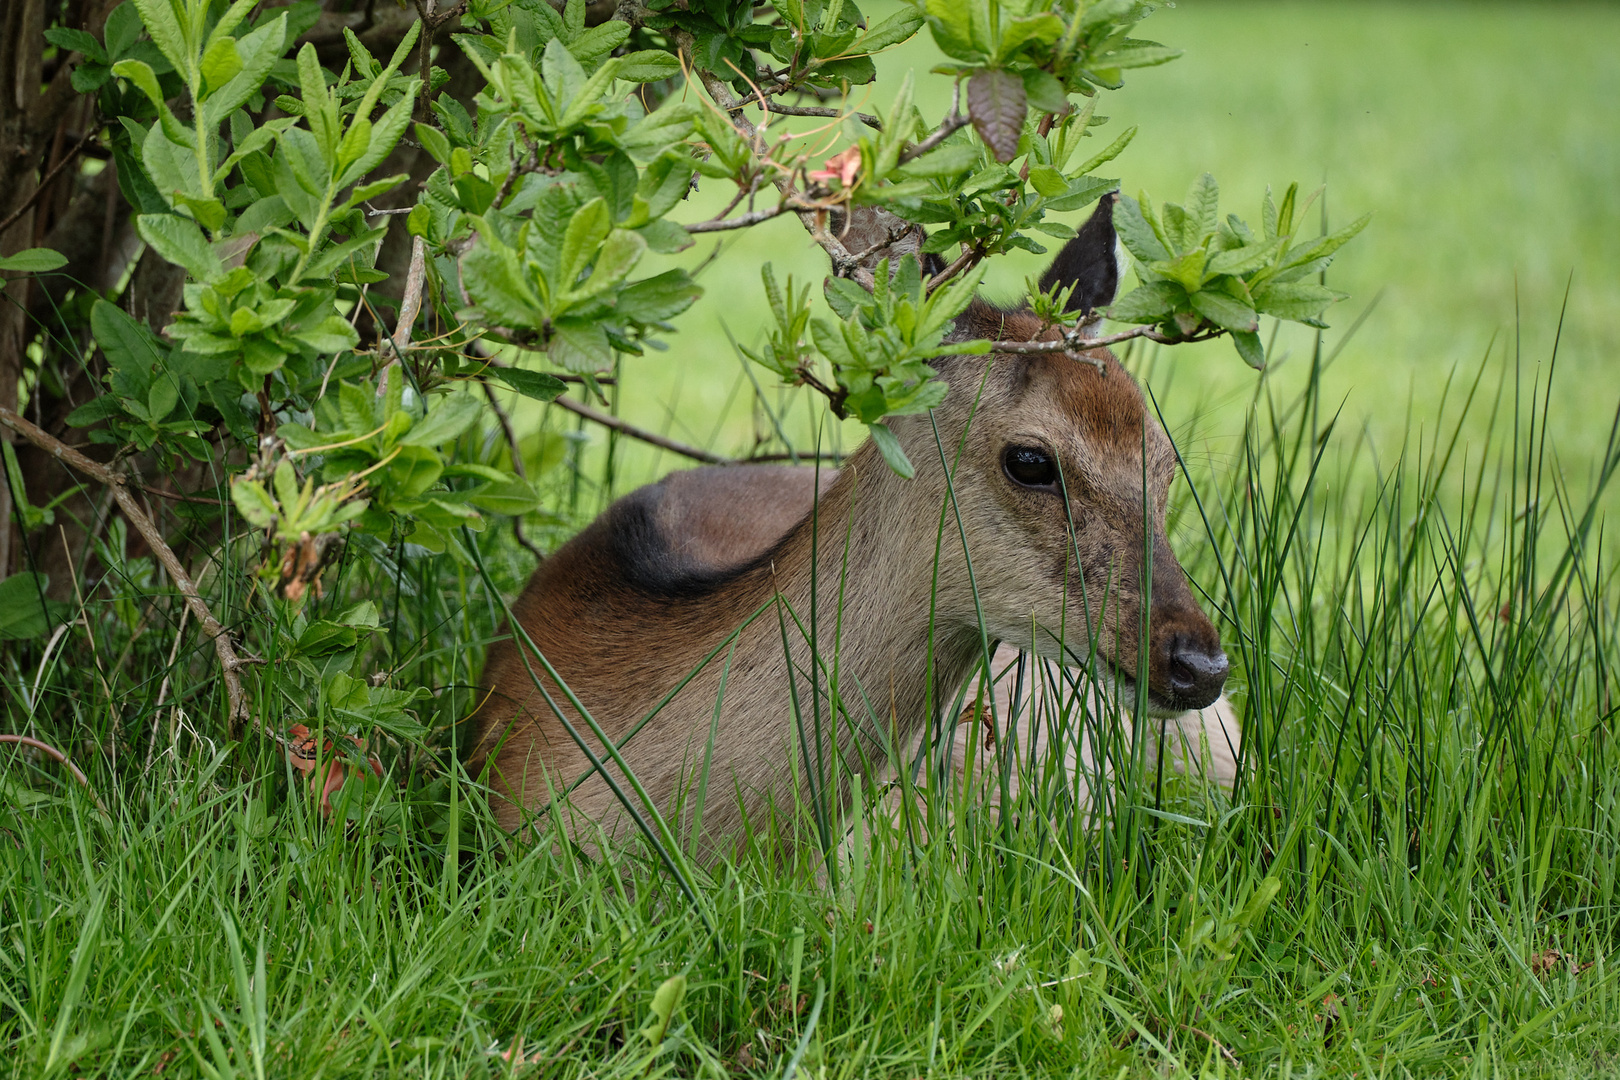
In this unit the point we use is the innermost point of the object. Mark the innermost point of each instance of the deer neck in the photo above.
(896, 636)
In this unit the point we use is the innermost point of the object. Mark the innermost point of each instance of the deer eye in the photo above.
(1030, 467)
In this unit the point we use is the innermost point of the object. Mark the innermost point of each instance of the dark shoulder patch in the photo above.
(648, 560)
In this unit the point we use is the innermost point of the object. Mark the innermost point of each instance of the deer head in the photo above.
(1061, 484)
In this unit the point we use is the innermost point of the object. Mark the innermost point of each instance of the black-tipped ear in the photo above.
(1087, 262)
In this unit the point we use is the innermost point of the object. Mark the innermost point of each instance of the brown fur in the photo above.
(623, 614)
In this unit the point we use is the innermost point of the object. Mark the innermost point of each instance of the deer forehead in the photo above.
(1092, 413)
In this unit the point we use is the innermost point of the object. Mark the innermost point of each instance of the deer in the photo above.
(830, 615)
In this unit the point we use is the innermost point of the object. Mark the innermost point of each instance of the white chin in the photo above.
(1112, 683)
(1122, 688)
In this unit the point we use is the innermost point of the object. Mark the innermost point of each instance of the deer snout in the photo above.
(1195, 671)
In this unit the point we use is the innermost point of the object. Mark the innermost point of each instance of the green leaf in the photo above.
(857, 70)
(531, 384)
(665, 237)
(384, 134)
(1249, 347)
(900, 26)
(945, 161)
(494, 277)
(1203, 205)
(1109, 153)
(164, 28)
(140, 73)
(1081, 192)
(1326, 245)
(1300, 301)
(332, 334)
(434, 142)
(163, 396)
(77, 41)
(95, 411)
(953, 25)
(209, 213)
(1048, 181)
(1150, 303)
(33, 261)
(413, 471)
(1044, 92)
(600, 40)
(998, 106)
(254, 503)
(511, 498)
(586, 231)
(1243, 260)
(1018, 32)
(1225, 311)
(617, 257)
(23, 613)
(122, 29)
(454, 415)
(355, 142)
(892, 452)
(1135, 232)
(179, 241)
(658, 299)
(221, 62)
(581, 347)
(666, 999)
(128, 345)
(648, 65)
(563, 75)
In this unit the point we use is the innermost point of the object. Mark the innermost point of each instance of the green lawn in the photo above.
(1415, 878)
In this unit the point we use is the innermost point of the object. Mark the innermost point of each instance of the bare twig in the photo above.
(742, 193)
(600, 380)
(175, 496)
(644, 435)
(229, 663)
(61, 759)
(809, 217)
(45, 181)
(1074, 341)
(409, 307)
(821, 110)
(954, 121)
(1042, 130)
(742, 222)
(756, 459)
(517, 466)
(1225, 1053)
(163, 690)
(432, 19)
(963, 261)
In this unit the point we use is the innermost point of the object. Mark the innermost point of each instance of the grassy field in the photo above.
(1415, 876)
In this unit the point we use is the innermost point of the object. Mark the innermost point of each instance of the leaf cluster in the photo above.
(1202, 273)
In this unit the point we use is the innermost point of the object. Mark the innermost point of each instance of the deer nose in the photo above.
(1196, 672)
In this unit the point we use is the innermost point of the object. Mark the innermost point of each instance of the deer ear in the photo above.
(1087, 262)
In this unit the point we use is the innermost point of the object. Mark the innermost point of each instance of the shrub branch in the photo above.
(230, 664)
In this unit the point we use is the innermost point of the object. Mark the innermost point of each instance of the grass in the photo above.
(1416, 876)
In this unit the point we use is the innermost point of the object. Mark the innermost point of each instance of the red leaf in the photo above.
(842, 167)
(302, 756)
(997, 106)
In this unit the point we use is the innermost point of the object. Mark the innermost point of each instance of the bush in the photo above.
(337, 251)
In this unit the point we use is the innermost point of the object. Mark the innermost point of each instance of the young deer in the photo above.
(1057, 484)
